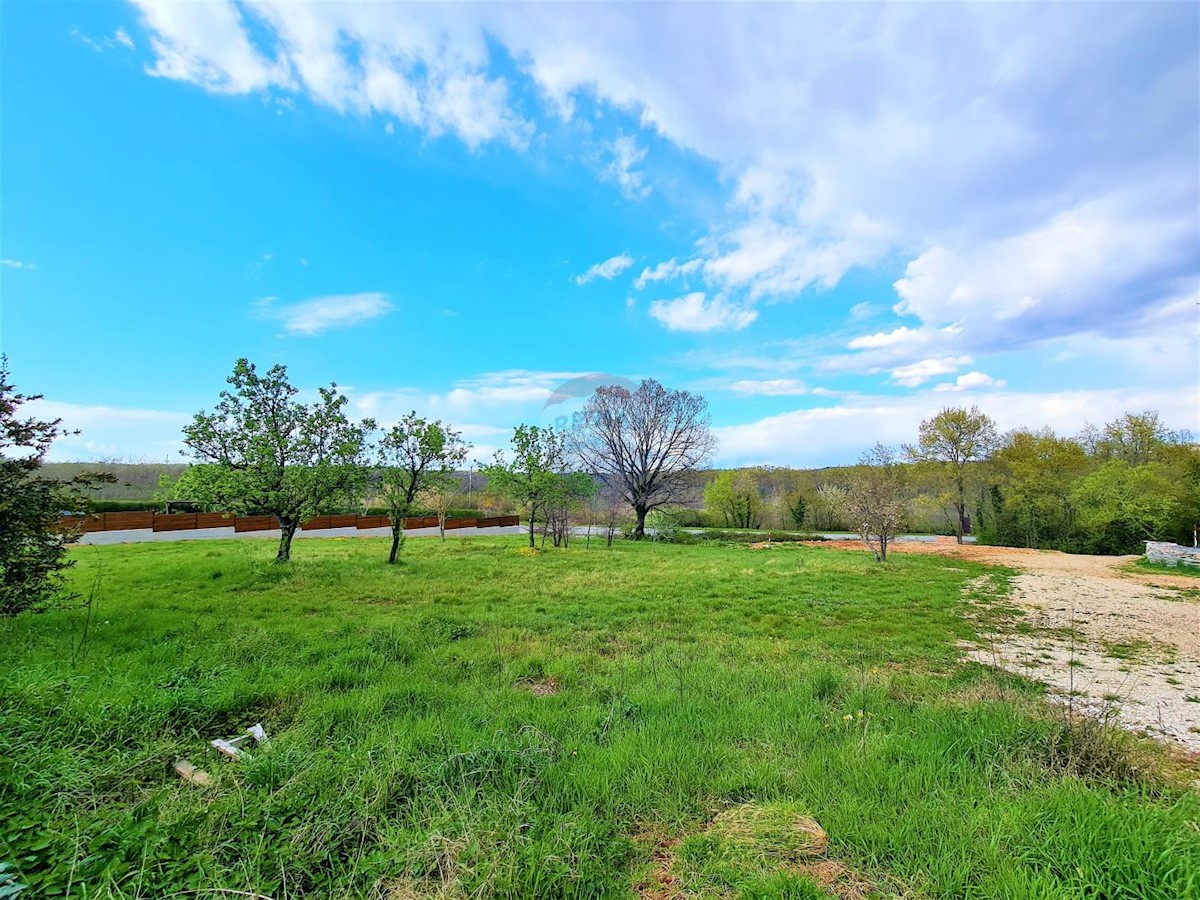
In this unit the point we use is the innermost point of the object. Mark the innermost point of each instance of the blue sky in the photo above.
(830, 220)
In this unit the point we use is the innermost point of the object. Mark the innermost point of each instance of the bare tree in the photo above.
(874, 499)
(437, 494)
(643, 443)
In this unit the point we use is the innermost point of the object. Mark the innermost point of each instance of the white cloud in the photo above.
(694, 312)
(1085, 268)
(836, 435)
(120, 38)
(491, 403)
(901, 335)
(17, 264)
(426, 69)
(773, 387)
(666, 271)
(627, 154)
(608, 270)
(969, 382)
(850, 135)
(112, 432)
(208, 44)
(920, 372)
(319, 314)
(861, 311)
(1040, 180)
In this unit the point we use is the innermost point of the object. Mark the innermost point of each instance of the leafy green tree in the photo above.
(736, 497)
(1031, 505)
(1122, 505)
(953, 440)
(795, 504)
(1136, 438)
(413, 458)
(273, 454)
(644, 443)
(196, 481)
(33, 545)
(531, 478)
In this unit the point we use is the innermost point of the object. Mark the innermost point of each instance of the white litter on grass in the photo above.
(234, 747)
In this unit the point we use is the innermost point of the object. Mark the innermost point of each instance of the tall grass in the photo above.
(409, 758)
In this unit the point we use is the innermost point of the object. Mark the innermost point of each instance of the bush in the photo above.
(103, 506)
(754, 537)
(419, 511)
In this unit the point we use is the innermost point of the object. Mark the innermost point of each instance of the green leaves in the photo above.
(735, 494)
(414, 455)
(271, 453)
(1141, 497)
(531, 479)
(32, 543)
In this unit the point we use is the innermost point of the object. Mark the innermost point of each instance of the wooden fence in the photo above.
(129, 521)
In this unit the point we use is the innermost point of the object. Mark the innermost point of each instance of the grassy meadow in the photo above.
(482, 721)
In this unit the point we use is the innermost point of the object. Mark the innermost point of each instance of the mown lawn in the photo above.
(484, 722)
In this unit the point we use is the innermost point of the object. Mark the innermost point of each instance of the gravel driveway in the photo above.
(1126, 644)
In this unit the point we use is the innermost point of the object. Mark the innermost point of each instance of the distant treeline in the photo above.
(1105, 490)
(134, 481)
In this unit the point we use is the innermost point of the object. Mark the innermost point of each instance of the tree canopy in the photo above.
(272, 453)
(416, 457)
(531, 478)
(953, 440)
(33, 545)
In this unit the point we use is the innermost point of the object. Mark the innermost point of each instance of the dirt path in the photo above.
(1125, 644)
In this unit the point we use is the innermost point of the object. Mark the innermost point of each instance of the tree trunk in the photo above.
(962, 508)
(639, 531)
(442, 525)
(397, 530)
(287, 530)
(532, 515)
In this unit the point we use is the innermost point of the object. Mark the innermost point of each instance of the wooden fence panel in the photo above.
(316, 523)
(254, 523)
(373, 522)
(121, 521)
(175, 522)
(81, 523)
(214, 520)
(460, 523)
(342, 522)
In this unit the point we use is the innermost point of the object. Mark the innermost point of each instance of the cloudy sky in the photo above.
(831, 220)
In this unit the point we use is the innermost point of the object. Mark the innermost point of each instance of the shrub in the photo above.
(103, 506)
(754, 537)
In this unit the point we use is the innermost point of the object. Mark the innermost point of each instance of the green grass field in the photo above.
(483, 722)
